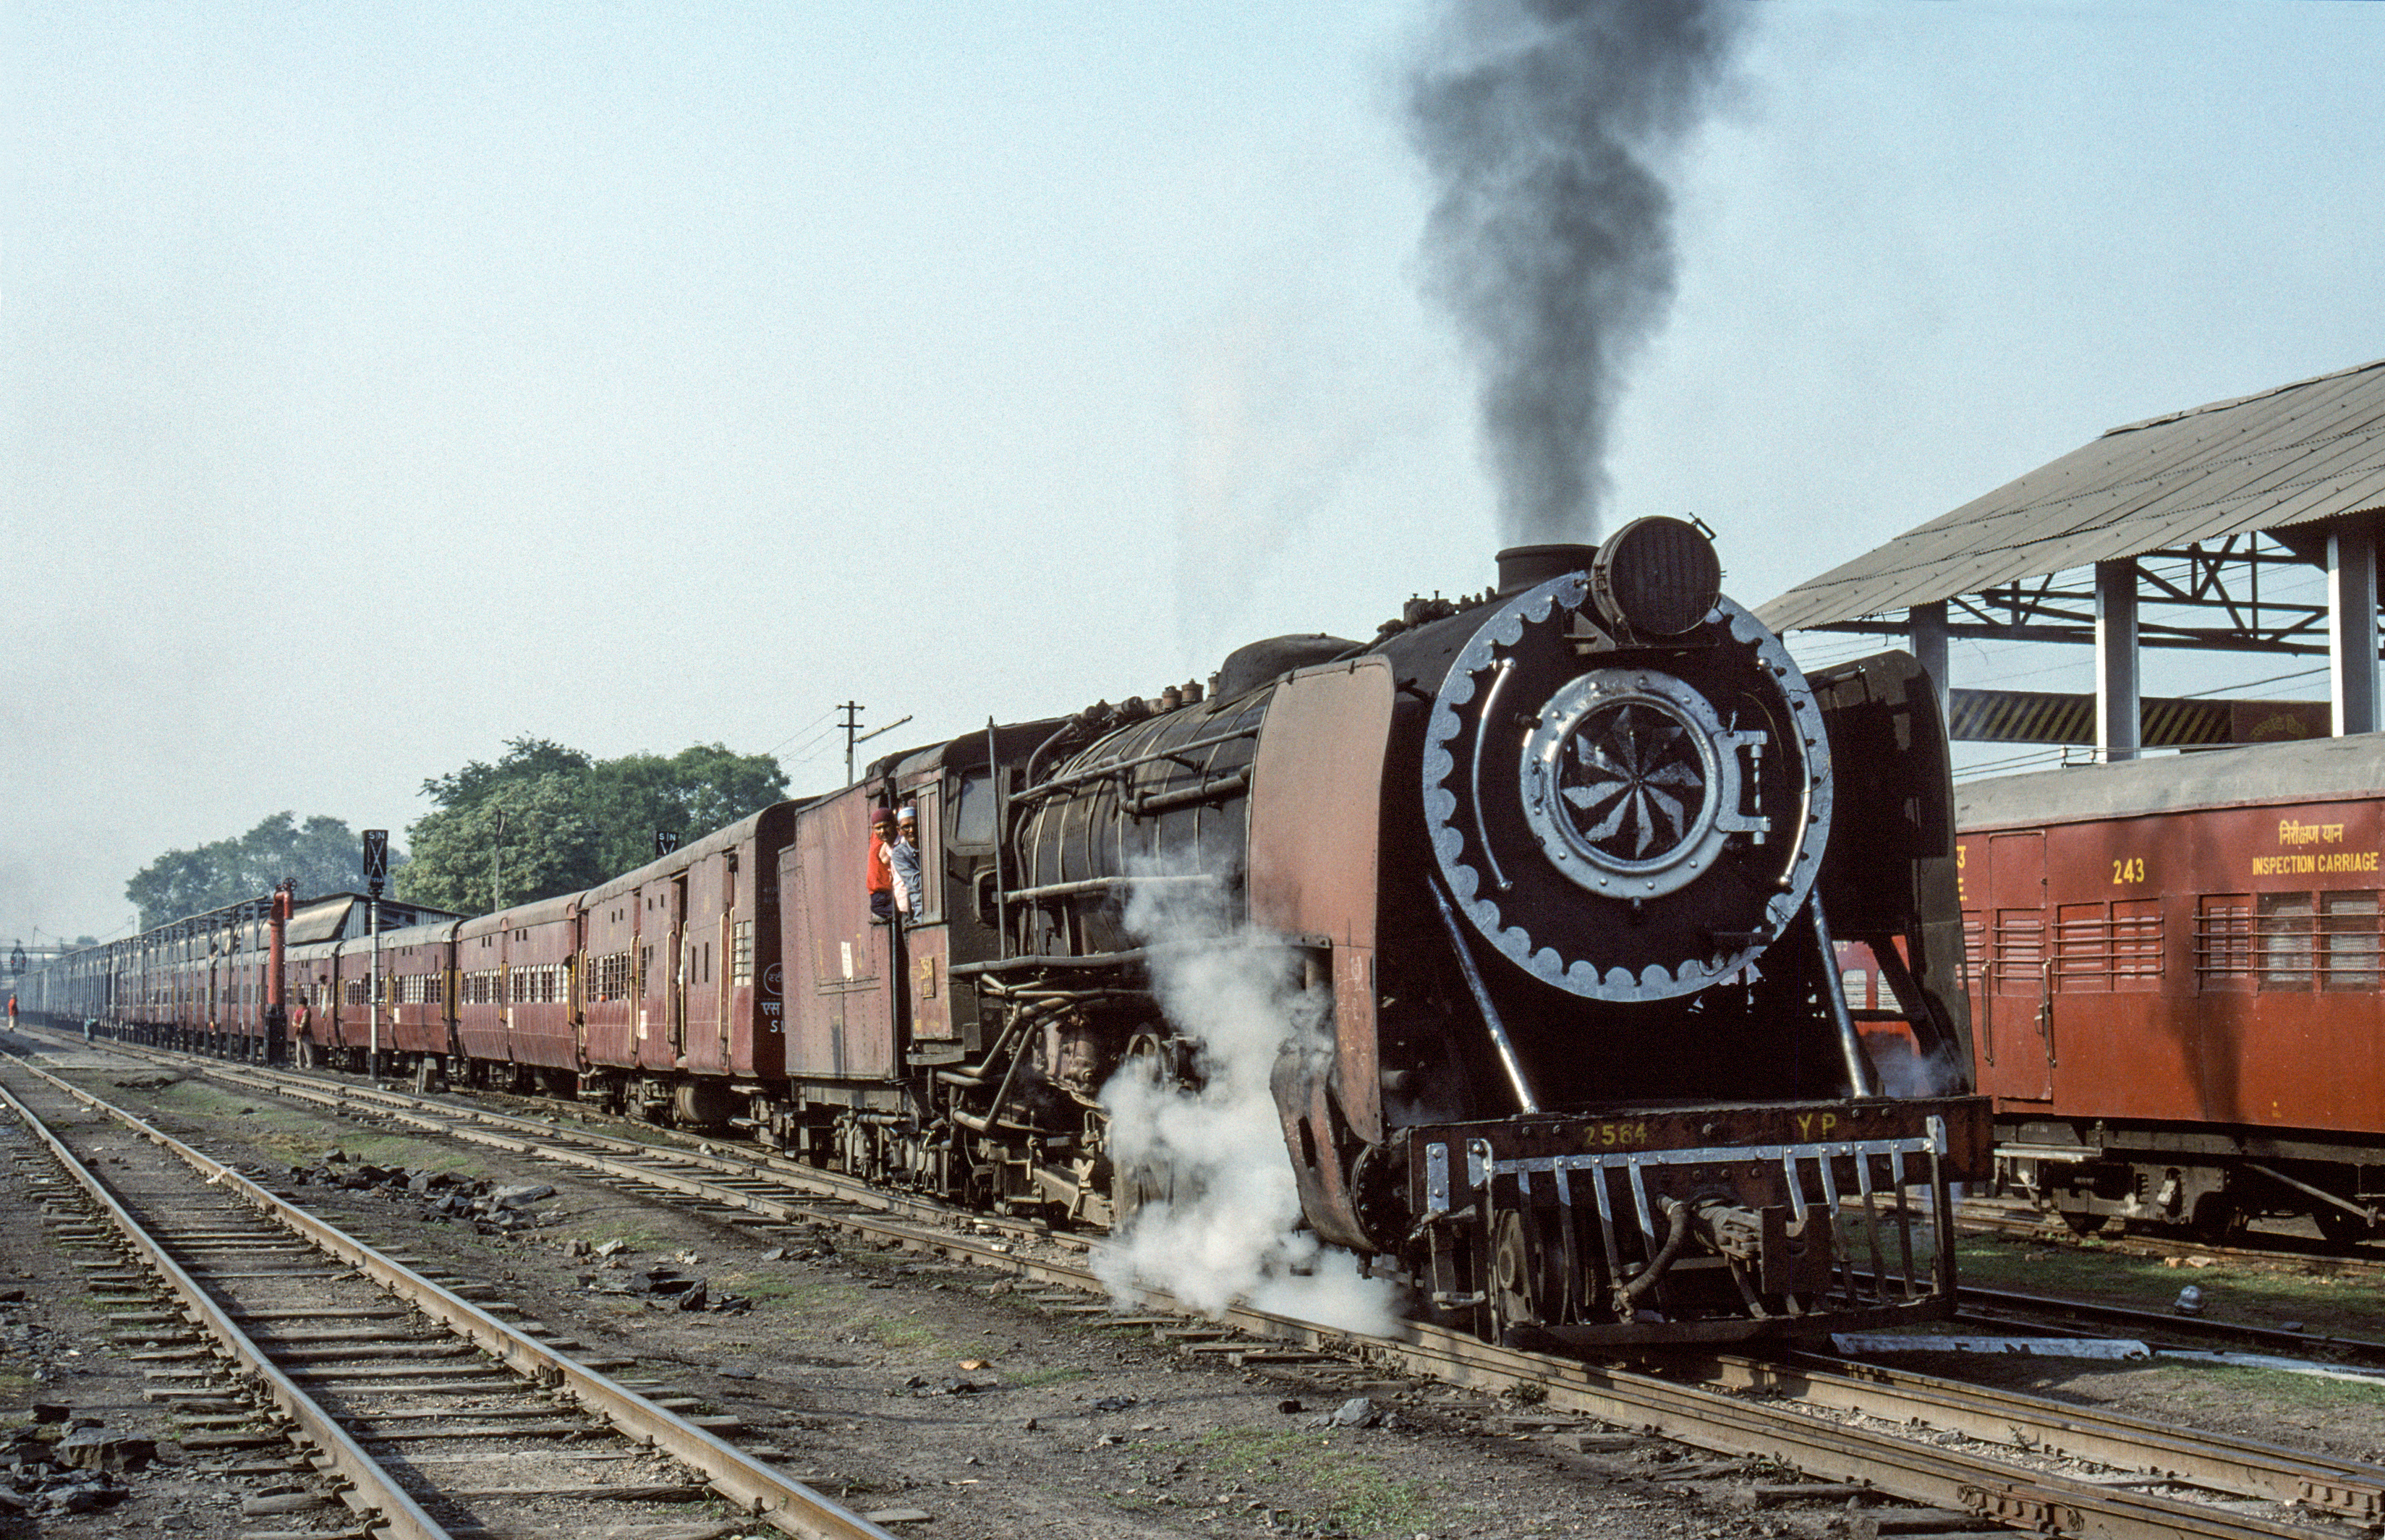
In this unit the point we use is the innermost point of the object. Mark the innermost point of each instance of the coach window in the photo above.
(2223, 941)
(2136, 943)
(2348, 937)
(973, 810)
(2082, 949)
(2285, 932)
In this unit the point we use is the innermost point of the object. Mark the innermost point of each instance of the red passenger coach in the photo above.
(2175, 982)
(680, 997)
(513, 989)
(414, 966)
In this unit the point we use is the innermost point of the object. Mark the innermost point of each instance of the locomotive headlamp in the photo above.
(1656, 577)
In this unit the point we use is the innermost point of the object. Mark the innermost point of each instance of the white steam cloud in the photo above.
(1229, 1229)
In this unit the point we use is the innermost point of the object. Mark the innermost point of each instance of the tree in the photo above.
(570, 821)
(518, 842)
(526, 758)
(322, 854)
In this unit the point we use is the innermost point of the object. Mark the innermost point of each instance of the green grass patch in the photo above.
(398, 1150)
(1054, 1375)
(2254, 1293)
(2272, 1386)
(1348, 1487)
(762, 1288)
(908, 1333)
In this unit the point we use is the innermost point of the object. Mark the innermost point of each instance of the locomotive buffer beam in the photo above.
(1586, 1227)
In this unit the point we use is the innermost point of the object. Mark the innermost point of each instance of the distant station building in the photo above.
(2160, 534)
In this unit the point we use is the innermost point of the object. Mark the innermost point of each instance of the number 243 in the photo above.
(2131, 870)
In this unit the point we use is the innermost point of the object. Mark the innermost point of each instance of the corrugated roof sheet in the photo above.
(2295, 455)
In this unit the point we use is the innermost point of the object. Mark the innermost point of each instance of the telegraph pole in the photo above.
(854, 736)
(497, 863)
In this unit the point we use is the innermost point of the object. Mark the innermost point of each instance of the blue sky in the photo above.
(383, 381)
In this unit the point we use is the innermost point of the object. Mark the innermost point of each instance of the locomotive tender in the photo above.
(2176, 973)
(1550, 879)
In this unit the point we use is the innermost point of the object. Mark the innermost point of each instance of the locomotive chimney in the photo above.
(1522, 566)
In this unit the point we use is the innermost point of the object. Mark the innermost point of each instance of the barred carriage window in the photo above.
(1975, 945)
(2223, 941)
(2136, 943)
(741, 953)
(2082, 949)
(2348, 941)
(2019, 960)
(2286, 929)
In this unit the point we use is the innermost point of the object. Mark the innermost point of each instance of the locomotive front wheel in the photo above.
(2080, 1223)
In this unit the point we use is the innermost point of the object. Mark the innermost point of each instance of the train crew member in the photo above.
(903, 856)
(12, 1013)
(881, 872)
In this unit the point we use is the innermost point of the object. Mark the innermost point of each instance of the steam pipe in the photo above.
(1001, 836)
(1525, 1101)
(1860, 1079)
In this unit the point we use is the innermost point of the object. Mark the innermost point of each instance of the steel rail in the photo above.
(368, 1489)
(781, 1501)
(1899, 1467)
(1717, 1419)
(1978, 1218)
(2246, 1468)
(543, 1140)
(2006, 1306)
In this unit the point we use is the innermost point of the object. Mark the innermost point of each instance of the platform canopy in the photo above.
(2182, 512)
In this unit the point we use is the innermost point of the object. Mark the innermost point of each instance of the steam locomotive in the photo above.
(1545, 880)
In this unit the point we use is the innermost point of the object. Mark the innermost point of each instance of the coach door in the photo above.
(677, 897)
(841, 980)
(2020, 957)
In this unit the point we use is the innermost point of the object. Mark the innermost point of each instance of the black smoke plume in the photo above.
(1546, 125)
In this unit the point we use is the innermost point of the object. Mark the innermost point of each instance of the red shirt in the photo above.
(882, 876)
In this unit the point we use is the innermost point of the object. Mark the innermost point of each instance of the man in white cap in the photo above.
(903, 856)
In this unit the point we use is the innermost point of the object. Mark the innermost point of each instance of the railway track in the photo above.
(2001, 1217)
(2005, 1309)
(1997, 1457)
(266, 1327)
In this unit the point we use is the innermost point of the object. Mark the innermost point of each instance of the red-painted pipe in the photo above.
(282, 900)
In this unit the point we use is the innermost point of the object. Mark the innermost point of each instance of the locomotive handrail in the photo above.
(1289, 942)
(1207, 791)
(1094, 772)
(1103, 884)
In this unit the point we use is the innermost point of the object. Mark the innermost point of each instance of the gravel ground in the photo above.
(957, 1407)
